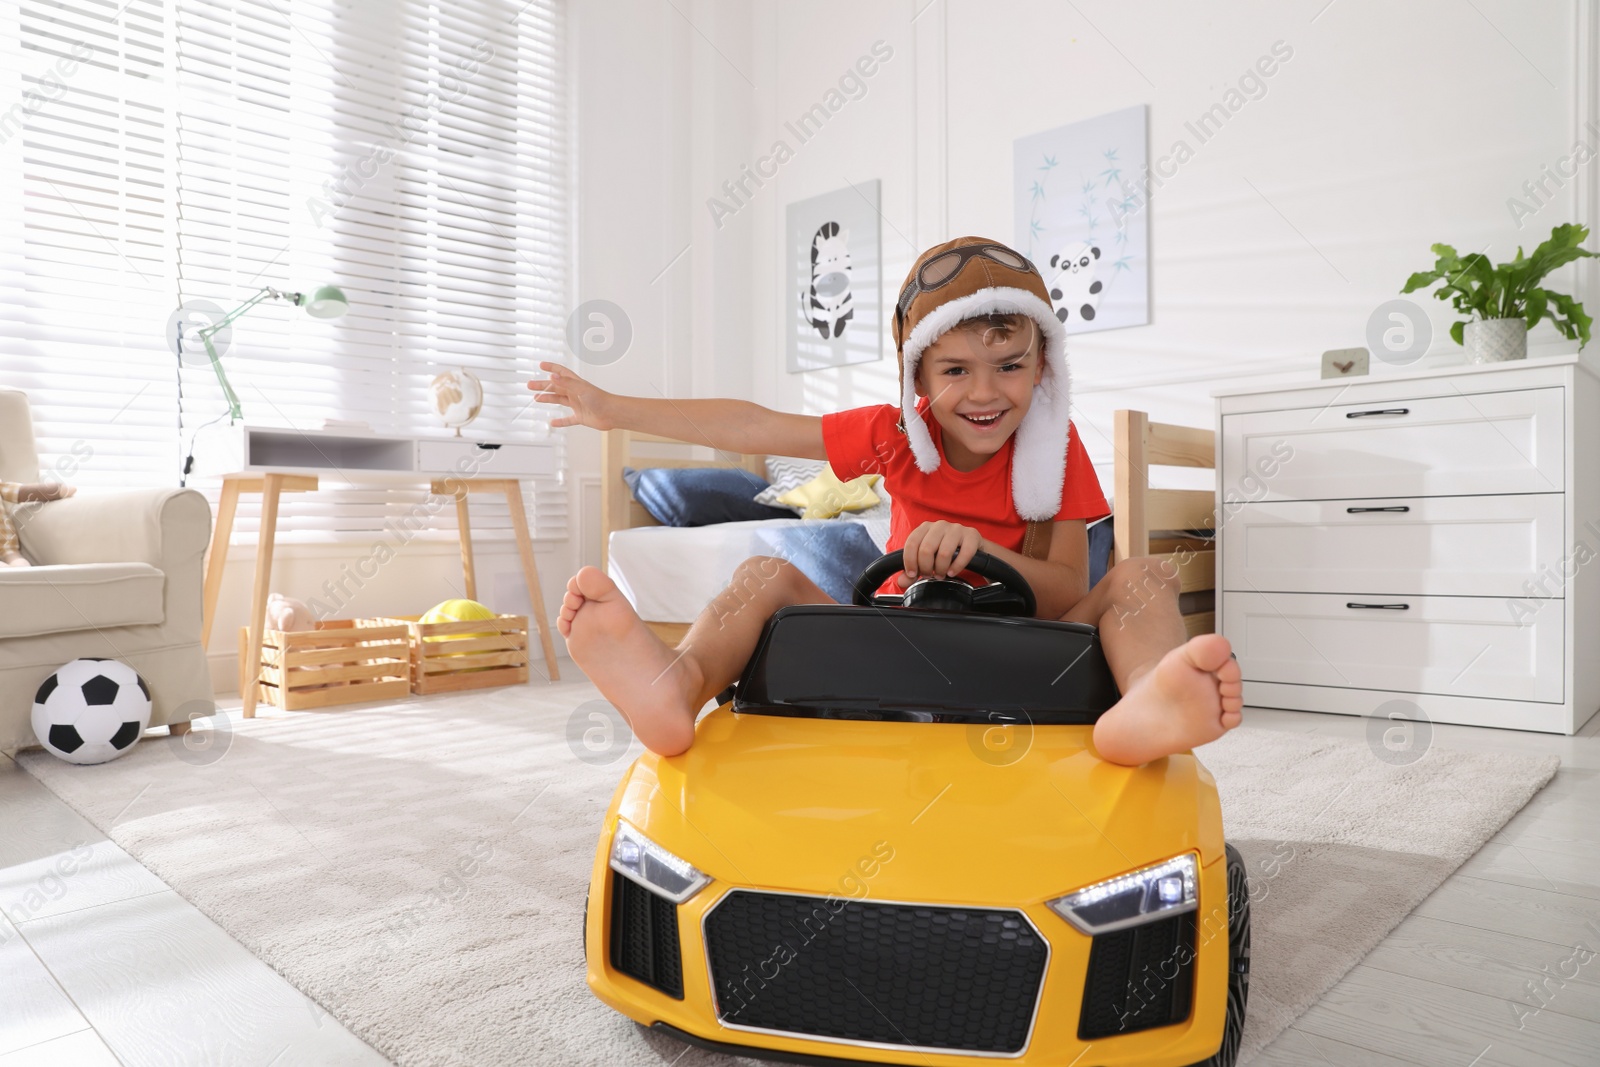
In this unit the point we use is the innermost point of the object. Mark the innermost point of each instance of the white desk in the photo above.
(272, 461)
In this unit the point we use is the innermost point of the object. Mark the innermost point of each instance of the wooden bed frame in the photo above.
(618, 509)
(1159, 522)
(1148, 521)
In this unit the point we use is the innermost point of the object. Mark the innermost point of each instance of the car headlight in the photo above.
(635, 856)
(1143, 896)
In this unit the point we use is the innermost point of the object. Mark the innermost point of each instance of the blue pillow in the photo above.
(833, 553)
(700, 496)
(1101, 538)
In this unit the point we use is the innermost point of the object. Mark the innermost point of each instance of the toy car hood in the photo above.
(807, 804)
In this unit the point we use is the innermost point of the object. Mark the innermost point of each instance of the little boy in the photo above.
(980, 454)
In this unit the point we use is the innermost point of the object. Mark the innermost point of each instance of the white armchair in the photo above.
(116, 574)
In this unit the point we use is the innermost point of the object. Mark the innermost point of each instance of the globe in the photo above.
(457, 397)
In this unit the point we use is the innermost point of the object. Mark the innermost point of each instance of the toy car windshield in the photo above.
(826, 661)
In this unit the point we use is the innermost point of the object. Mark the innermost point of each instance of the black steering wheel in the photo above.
(1007, 594)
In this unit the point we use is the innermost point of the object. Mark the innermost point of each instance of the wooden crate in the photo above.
(449, 666)
(342, 661)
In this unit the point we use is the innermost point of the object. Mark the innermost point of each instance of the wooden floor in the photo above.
(109, 965)
(106, 964)
(1484, 971)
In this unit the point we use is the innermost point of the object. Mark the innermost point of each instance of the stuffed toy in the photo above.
(18, 493)
(288, 614)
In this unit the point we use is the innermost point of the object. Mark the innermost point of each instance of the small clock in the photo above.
(1344, 362)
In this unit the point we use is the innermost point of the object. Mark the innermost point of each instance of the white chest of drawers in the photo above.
(1432, 538)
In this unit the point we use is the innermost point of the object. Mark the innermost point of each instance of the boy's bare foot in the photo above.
(1192, 696)
(14, 560)
(652, 685)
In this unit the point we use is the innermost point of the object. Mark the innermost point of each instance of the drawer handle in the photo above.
(487, 447)
(1377, 411)
(1397, 507)
(1385, 607)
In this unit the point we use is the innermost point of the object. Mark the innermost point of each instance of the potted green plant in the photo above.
(1504, 301)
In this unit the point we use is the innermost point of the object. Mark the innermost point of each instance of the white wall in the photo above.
(664, 108)
(1393, 126)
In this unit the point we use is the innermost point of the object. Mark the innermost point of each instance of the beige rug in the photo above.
(419, 869)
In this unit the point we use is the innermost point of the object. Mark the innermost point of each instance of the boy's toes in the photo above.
(592, 583)
(1211, 652)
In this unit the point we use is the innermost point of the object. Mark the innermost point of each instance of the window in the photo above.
(412, 153)
(84, 268)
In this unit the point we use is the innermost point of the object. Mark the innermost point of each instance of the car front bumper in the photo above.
(1053, 1026)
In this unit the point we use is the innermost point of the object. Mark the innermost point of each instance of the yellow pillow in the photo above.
(825, 496)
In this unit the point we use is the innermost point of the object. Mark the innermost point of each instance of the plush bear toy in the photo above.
(288, 614)
(16, 493)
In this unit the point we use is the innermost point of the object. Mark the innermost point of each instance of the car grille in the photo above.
(928, 977)
(644, 936)
(1138, 978)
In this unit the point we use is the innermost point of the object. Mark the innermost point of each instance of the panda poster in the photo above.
(1079, 218)
(834, 279)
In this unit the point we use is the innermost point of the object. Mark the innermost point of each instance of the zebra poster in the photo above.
(1081, 216)
(833, 302)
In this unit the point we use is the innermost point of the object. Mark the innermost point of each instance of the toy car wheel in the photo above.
(1238, 962)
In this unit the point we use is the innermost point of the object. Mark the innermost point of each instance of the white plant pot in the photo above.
(1495, 340)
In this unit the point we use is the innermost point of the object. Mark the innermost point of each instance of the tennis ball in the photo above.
(459, 611)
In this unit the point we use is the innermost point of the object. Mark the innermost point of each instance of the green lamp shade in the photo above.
(328, 302)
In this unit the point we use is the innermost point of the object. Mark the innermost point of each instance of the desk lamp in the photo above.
(328, 302)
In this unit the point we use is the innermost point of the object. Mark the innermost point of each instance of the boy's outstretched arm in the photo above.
(727, 425)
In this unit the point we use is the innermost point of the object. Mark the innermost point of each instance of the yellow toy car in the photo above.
(893, 845)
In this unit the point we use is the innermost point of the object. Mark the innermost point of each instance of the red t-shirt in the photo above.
(865, 441)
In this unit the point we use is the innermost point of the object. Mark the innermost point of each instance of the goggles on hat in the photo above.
(941, 268)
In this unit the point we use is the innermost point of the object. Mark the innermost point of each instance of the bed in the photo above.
(671, 573)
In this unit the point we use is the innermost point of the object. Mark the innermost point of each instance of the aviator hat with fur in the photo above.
(984, 286)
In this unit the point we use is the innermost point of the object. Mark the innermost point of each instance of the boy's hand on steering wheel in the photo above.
(588, 402)
(938, 549)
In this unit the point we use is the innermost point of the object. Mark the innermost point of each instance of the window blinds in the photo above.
(85, 275)
(412, 153)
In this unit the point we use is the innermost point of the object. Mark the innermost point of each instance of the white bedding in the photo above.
(670, 573)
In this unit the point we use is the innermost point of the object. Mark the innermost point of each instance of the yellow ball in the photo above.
(459, 611)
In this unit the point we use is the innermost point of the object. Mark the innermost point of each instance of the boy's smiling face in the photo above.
(979, 382)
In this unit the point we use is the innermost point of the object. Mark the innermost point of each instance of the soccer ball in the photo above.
(91, 710)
